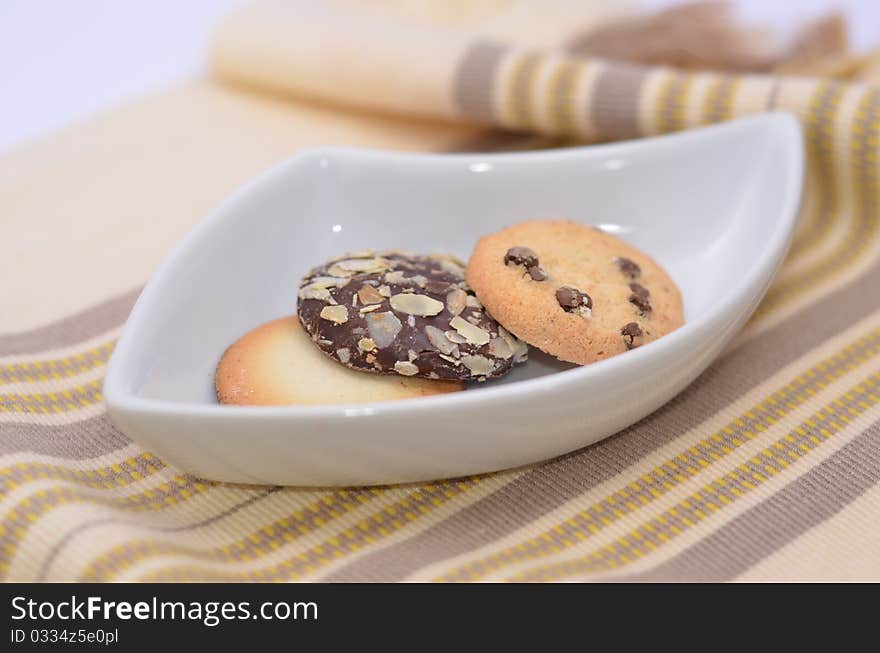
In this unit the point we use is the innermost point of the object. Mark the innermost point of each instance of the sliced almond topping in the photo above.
(470, 332)
(411, 355)
(473, 302)
(369, 309)
(329, 282)
(499, 348)
(450, 264)
(416, 304)
(344, 355)
(362, 264)
(437, 338)
(339, 272)
(366, 344)
(397, 276)
(335, 314)
(520, 349)
(309, 292)
(455, 337)
(456, 301)
(406, 368)
(478, 365)
(383, 328)
(369, 295)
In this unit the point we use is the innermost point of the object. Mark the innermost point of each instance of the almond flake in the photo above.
(369, 309)
(414, 304)
(478, 365)
(472, 333)
(499, 348)
(339, 272)
(473, 302)
(362, 264)
(406, 368)
(383, 328)
(329, 282)
(369, 295)
(519, 348)
(335, 314)
(385, 291)
(455, 337)
(397, 276)
(366, 344)
(456, 301)
(310, 292)
(344, 355)
(437, 338)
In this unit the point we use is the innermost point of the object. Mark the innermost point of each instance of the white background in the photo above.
(61, 60)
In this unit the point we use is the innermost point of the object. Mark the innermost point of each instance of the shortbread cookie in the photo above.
(276, 364)
(572, 290)
(404, 314)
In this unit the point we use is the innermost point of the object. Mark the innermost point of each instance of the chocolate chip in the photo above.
(521, 256)
(572, 299)
(631, 333)
(537, 274)
(641, 297)
(528, 259)
(628, 267)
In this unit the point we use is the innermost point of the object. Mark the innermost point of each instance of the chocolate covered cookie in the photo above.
(399, 313)
(572, 290)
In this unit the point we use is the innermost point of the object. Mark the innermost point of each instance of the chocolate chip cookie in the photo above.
(572, 290)
(406, 314)
(276, 364)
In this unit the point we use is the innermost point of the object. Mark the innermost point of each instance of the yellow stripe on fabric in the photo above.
(18, 520)
(866, 224)
(819, 123)
(372, 529)
(679, 468)
(58, 368)
(115, 475)
(746, 478)
(69, 399)
(671, 104)
(719, 100)
(562, 113)
(519, 99)
(270, 537)
(809, 221)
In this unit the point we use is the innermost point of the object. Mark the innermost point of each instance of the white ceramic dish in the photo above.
(716, 206)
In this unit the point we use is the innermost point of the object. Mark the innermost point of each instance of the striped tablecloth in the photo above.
(766, 468)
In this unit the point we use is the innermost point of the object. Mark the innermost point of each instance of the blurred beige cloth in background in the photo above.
(765, 468)
(401, 57)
